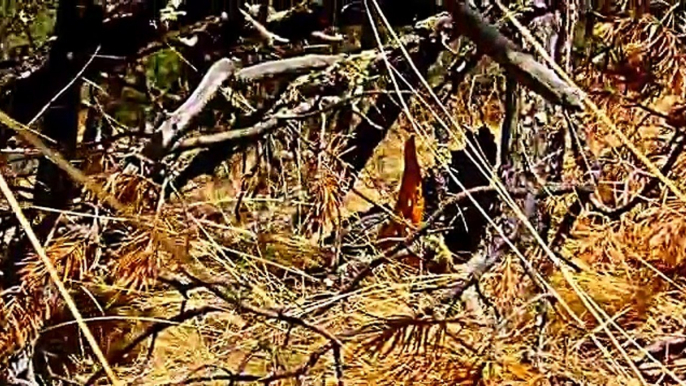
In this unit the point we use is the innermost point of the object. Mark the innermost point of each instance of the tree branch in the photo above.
(523, 67)
(178, 122)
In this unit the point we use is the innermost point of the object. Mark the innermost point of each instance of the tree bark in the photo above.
(77, 32)
(366, 136)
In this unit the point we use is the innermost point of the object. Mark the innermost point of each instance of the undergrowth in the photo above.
(252, 237)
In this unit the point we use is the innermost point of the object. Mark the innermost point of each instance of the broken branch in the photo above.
(178, 123)
(523, 67)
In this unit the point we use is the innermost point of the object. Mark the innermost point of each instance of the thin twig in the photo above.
(677, 146)
(154, 330)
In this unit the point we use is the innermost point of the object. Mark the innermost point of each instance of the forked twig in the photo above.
(676, 148)
(152, 331)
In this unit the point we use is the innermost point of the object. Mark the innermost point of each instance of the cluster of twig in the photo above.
(318, 96)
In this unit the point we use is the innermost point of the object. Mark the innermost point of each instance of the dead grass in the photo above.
(634, 272)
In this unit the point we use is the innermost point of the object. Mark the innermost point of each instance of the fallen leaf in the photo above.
(410, 205)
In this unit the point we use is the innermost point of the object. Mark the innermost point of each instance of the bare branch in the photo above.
(297, 65)
(179, 119)
(263, 31)
(178, 123)
(523, 67)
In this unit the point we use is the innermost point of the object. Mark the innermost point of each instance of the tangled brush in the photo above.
(26, 309)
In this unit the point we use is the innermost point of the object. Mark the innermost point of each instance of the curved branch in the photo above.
(179, 121)
(523, 67)
(677, 147)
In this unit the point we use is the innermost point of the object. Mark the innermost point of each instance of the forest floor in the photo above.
(620, 320)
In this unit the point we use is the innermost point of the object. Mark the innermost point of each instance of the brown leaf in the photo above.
(677, 116)
(410, 204)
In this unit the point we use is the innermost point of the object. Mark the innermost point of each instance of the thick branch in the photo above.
(291, 66)
(523, 67)
(178, 123)
(256, 131)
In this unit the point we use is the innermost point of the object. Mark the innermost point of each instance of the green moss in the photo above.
(36, 19)
(163, 69)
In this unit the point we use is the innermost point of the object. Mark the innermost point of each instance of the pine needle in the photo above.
(55, 277)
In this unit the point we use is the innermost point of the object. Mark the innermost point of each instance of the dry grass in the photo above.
(633, 271)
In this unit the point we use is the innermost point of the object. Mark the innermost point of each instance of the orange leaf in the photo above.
(410, 204)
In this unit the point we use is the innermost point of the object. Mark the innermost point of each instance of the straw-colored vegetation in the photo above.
(253, 233)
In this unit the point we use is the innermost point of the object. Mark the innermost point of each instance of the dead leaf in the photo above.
(677, 116)
(410, 205)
